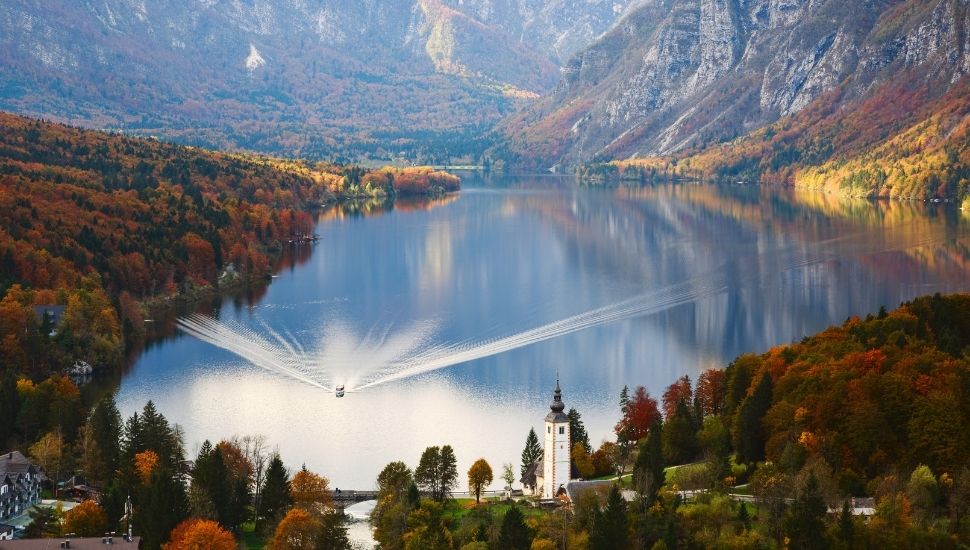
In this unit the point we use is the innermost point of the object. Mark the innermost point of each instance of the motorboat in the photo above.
(339, 390)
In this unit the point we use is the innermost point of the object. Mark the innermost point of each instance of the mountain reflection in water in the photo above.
(512, 254)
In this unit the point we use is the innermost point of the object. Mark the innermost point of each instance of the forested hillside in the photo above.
(98, 223)
(877, 147)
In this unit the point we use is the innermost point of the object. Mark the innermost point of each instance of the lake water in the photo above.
(722, 270)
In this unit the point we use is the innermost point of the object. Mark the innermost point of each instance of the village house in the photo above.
(20, 482)
(51, 314)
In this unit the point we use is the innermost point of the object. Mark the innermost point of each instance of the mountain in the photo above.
(676, 76)
(314, 78)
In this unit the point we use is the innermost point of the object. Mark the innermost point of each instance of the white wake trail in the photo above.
(249, 345)
(646, 304)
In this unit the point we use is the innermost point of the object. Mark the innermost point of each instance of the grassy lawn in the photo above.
(249, 537)
(458, 508)
(741, 489)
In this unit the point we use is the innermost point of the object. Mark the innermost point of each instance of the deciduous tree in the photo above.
(639, 414)
(311, 491)
(298, 530)
(198, 534)
(479, 477)
(87, 519)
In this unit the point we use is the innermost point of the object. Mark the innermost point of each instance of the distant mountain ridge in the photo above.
(301, 77)
(680, 75)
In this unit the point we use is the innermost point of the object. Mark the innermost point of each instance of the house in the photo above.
(53, 313)
(858, 506)
(19, 484)
(90, 543)
(531, 479)
(79, 489)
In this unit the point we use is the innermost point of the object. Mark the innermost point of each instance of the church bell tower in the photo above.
(556, 461)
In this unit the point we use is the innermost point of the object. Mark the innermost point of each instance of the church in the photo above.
(549, 475)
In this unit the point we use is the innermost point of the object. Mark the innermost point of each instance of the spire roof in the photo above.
(557, 406)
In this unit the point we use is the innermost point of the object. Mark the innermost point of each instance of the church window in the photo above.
(562, 430)
(548, 429)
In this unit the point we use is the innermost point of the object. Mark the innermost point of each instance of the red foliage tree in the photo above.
(640, 414)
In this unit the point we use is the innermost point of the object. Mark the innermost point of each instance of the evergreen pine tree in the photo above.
(680, 436)
(514, 534)
(211, 478)
(610, 530)
(624, 399)
(749, 432)
(9, 405)
(846, 525)
(132, 438)
(743, 516)
(648, 471)
(276, 490)
(413, 496)
(531, 453)
(160, 507)
(333, 532)
(106, 429)
(577, 431)
(805, 521)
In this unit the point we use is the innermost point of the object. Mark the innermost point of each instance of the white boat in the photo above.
(339, 390)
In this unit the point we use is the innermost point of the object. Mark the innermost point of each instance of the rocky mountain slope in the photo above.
(308, 77)
(680, 75)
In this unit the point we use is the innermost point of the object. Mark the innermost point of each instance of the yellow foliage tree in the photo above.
(479, 476)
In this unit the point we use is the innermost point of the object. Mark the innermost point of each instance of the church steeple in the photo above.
(557, 405)
(555, 457)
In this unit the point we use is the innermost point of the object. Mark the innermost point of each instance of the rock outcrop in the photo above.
(682, 74)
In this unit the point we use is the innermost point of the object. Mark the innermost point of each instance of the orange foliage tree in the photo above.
(86, 520)
(311, 491)
(297, 531)
(145, 464)
(200, 534)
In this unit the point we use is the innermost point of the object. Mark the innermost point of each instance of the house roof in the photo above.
(529, 478)
(575, 488)
(556, 407)
(90, 543)
(15, 463)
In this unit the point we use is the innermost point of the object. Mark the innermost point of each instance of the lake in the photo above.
(717, 271)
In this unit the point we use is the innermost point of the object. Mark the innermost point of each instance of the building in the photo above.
(556, 462)
(19, 484)
(531, 481)
(90, 543)
(52, 313)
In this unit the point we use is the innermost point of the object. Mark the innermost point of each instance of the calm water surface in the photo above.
(515, 253)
